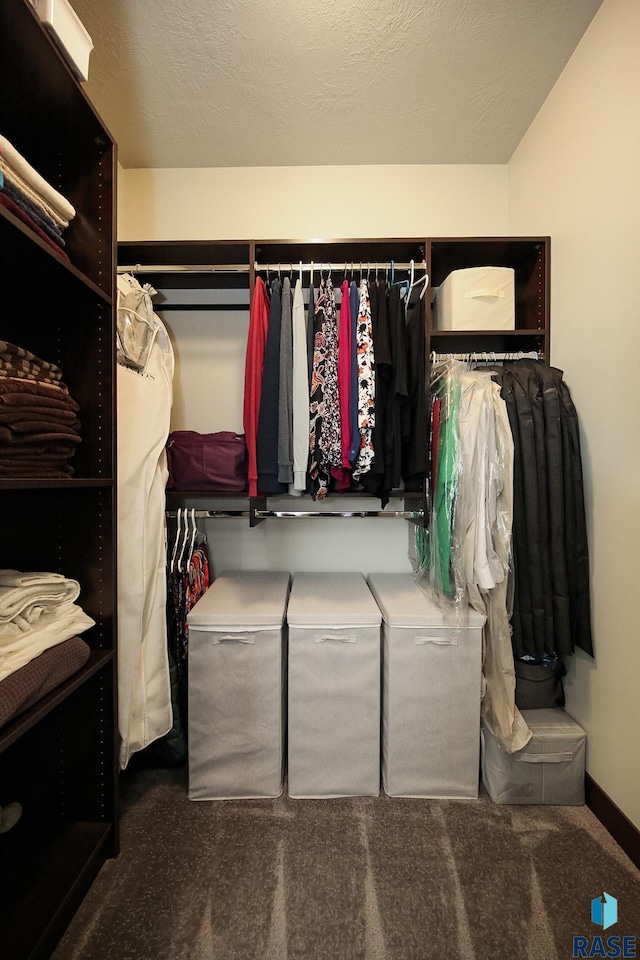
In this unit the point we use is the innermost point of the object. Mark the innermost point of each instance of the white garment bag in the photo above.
(144, 408)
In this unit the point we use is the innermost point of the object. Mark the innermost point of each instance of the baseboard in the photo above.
(613, 819)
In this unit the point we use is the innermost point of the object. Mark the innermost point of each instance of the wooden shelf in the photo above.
(18, 727)
(57, 863)
(44, 249)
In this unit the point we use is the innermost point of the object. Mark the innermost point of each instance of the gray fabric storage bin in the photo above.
(236, 687)
(431, 686)
(334, 687)
(550, 769)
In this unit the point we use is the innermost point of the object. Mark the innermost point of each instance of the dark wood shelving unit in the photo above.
(58, 759)
(529, 257)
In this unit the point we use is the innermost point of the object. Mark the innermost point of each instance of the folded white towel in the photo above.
(26, 597)
(33, 178)
(66, 622)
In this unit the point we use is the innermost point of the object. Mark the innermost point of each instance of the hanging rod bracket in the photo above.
(257, 506)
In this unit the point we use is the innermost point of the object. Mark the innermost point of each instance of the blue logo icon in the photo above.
(604, 911)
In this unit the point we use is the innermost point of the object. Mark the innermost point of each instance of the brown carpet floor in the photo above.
(354, 879)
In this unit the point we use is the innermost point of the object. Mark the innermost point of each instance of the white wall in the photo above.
(303, 203)
(576, 176)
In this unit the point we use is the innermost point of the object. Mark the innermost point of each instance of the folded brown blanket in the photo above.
(8, 436)
(15, 367)
(65, 406)
(20, 690)
(58, 391)
(59, 470)
(22, 414)
(38, 424)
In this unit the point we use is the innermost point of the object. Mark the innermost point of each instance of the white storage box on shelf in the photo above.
(477, 298)
(69, 32)
(334, 686)
(236, 687)
(549, 769)
(431, 686)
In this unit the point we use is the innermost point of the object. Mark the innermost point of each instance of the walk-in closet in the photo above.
(317, 480)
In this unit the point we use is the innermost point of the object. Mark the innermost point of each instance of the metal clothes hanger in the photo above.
(424, 279)
(175, 542)
(185, 540)
(194, 534)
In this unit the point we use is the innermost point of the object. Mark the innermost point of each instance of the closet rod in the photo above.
(210, 514)
(359, 265)
(344, 267)
(289, 514)
(185, 268)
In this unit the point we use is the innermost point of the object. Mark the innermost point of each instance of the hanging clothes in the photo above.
(187, 580)
(268, 419)
(324, 408)
(415, 452)
(440, 558)
(396, 420)
(342, 474)
(485, 524)
(467, 550)
(354, 310)
(311, 312)
(551, 611)
(285, 396)
(300, 418)
(144, 407)
(366, 384)
(379, 480)
(258, 324)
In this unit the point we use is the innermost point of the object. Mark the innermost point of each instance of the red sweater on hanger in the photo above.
(258, 322)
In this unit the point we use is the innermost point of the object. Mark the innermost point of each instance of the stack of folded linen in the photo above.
(39, 426)
(37, 612)
(31, 198)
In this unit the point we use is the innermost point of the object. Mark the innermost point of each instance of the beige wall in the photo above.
(247, 203)
(576, 176)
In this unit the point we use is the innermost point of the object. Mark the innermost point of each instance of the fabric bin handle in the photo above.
(544, 758)
(345, 637)
(444, 641)
(241, 637)
(483, 293)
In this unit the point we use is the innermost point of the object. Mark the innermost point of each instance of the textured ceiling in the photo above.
(196, 83)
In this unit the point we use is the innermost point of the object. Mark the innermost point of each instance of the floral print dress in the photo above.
(366, 384)
(324, 401)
